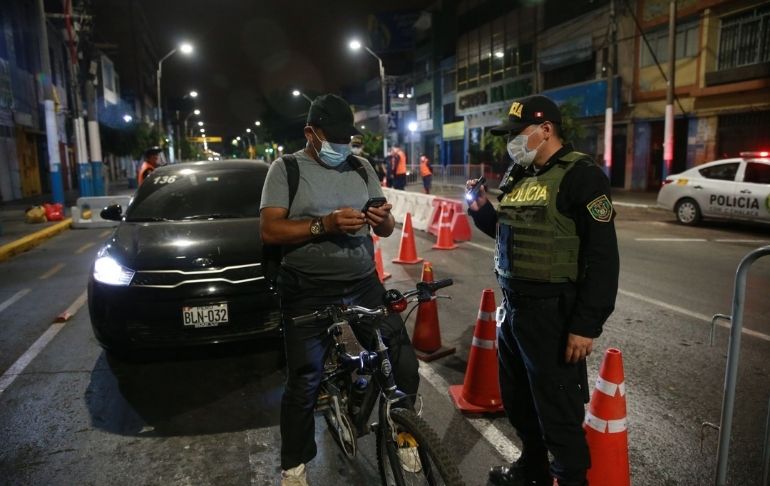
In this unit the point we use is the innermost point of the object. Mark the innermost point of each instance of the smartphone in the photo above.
(374, 202)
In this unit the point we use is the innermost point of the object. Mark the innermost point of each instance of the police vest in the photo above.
(535, 241)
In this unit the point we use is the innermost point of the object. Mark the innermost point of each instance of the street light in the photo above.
(127, 118)
(356, 45)
(297, 92)
(193, 94)
(196, 112)
(257, 123)
(187, 49)
(200, 123)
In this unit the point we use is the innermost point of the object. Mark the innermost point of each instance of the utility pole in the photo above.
(51, 128)
(668, 131)
(610, 93)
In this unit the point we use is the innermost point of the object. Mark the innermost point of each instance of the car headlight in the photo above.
(110, 272)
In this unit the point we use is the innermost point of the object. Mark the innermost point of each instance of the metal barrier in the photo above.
(86, 212)
(731, 371)
(451, 175)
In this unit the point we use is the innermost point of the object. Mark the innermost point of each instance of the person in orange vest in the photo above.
(150, 163)
(399, 170)
(426, 172)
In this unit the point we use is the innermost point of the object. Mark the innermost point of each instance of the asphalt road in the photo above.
(73, 415)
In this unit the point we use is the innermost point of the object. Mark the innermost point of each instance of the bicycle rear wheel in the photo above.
(416, 455)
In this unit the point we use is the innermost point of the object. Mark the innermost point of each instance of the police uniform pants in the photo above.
(308, 346)
(543, 396)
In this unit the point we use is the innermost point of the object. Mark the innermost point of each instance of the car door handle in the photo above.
(745, 191)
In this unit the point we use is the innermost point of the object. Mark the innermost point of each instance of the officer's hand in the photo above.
(344, 220)
(481, 197)
(375, 216)
(578, 348)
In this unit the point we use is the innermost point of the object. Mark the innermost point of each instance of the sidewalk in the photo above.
(17, 236)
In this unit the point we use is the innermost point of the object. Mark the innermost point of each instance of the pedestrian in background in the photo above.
(557, 264)
(399, 168)
(426, 172)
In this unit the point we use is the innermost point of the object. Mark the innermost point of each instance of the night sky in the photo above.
(250, 54)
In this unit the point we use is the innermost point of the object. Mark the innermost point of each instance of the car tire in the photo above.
(687, 212)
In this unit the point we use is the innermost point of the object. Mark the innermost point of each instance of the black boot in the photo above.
(520, 473)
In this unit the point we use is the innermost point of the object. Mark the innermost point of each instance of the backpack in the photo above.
(273, 254)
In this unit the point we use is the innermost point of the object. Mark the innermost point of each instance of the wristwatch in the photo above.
(317, 227)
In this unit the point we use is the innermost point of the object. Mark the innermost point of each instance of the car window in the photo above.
(725, 172)
(757, 173)
(198, 194)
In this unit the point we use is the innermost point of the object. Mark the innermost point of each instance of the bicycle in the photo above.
(408, 450)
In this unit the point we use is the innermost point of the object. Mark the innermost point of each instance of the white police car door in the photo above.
(754, 191)
(715, 193)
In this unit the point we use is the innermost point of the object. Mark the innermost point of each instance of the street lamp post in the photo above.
(185, 49)
(356, 45)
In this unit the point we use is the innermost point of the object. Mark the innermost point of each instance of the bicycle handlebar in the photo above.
(423, 291)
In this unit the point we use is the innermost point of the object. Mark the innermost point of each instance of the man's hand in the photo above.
(375, 216)
(481, 197)
(344, 220)
(578, 348)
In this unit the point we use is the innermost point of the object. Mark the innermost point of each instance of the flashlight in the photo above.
(472, 193)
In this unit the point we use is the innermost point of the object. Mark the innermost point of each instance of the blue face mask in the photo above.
(332, 154)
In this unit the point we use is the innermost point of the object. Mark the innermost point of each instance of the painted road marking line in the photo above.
(672, 239)
(487, 429)
(481, 247)
(84, 248)
(105, 233)
(741, 241)
(689, 313)
(53, 271)
(25, 359)
(18, 295)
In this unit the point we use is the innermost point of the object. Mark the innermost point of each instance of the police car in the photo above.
(737, 188)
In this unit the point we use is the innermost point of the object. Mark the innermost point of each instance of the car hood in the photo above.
(186, 245)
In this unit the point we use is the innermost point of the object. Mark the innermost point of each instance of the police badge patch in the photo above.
(600, 209)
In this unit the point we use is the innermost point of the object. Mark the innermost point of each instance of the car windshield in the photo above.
(196, 194)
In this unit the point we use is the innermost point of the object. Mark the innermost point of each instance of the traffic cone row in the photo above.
(480, 391)
(407, 253)
(606, 427)
(427, 333)
(381, 273)
(444, 240)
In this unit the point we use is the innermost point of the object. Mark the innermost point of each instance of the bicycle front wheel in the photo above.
(413, 454)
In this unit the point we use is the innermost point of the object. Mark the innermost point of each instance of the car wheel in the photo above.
(687, 212)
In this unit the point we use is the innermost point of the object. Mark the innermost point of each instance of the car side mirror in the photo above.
(112, 212)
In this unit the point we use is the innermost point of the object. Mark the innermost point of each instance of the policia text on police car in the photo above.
(557, 264)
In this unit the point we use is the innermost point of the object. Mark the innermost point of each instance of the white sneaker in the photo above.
(295, 476)
(407, 453)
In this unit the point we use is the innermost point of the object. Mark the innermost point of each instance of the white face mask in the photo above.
(357, 150)
(517, 149)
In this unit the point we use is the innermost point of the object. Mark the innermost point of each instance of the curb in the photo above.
(31, 241)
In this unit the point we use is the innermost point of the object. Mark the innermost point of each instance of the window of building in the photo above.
(462, 62)
(485, 54)
(723, 172)
(498, 49)
(449, 79)
(744, 38)
(687, 44)
(473, 58)
(757, 173)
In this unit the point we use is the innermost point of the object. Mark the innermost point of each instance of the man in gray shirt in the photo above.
(328, 259)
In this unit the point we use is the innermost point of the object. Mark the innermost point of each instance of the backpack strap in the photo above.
(292, 175)
(356, 164)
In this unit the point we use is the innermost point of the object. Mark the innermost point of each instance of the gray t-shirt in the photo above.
(320, 191)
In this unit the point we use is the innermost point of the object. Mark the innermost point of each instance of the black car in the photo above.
(183, 266)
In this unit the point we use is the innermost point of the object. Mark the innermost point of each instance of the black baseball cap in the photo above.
(333, 115)
(531, 110)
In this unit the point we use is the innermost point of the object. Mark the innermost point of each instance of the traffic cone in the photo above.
(378, 259)
(426, 339)
(444, 240)
(606, 427)
(480, 391)
(407, 253)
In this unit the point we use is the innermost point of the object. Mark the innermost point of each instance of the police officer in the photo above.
(150, 162)
(557, 264)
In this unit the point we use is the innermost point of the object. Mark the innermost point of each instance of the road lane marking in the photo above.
(672, 239)
(84, 248)
(18, 295)
(740, 241)
(105, 233)
(481, 247)
(25, 359)
(487, 429)
(689, 313)
(53, 271)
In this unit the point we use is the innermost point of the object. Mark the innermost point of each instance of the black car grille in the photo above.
(174, 278)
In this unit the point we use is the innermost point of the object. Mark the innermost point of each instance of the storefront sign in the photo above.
(590, 97)
(423, 112)
(472, 100)
(454, 131)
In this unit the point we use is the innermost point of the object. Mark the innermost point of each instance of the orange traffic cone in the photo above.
(407, 253)
(378, 259)
(426, 339)
(444, 240)
(480, 392)
(606, 427)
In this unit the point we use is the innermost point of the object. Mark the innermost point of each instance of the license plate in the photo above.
(205, 315)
